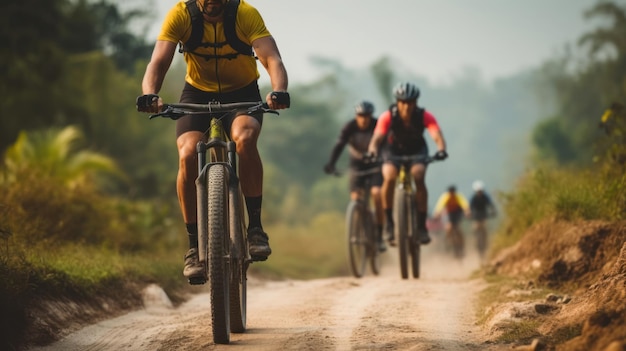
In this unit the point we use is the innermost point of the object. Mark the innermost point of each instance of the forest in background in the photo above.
(84, 70)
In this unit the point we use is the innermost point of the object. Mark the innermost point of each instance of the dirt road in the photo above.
(377, 313)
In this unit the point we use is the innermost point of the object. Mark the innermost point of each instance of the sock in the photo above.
(380, 232)
(192, 234)
(421, 220)
(253, 204)
(389, 215)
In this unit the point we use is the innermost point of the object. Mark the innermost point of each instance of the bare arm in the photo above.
(157, 68)
(438, 139)
(377, 139)
(269, 56)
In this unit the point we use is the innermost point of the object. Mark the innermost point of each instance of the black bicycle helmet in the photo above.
(406, 91)
(364, 108)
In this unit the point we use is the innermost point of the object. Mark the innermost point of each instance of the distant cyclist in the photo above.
(402, 128)
(455, 206)
(357, 134)
(481, 208)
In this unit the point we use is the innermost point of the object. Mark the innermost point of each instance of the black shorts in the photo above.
(387, 153)
(360, 181)
(201, 123)
(455, 217)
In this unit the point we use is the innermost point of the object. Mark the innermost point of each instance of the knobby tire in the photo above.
(219, 250)
(414, 243)
(401, 230)
(239, 262)
(372, 244)
(357, 239)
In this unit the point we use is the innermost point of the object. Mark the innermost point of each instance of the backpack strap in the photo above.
(197, 28)
(197, 31)
(230, 21)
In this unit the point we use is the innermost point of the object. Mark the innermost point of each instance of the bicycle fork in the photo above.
(202, 199)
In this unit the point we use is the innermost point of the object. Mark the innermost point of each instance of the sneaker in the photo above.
(193, 267)
(424, 237)
(389, 233)
(258, 244)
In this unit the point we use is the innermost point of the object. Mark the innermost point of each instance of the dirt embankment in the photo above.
(585, 264)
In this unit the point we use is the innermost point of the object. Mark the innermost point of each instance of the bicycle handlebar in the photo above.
(402, 158)
(177, 110)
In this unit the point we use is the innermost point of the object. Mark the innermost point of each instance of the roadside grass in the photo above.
(311, 250)
(565, 194)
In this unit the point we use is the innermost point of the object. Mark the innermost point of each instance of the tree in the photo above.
(582, 95)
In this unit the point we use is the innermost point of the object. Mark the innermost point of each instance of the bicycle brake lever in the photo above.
(265, 108)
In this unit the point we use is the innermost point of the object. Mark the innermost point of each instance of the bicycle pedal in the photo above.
(197, 280)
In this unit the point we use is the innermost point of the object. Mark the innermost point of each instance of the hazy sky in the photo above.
(432, 38)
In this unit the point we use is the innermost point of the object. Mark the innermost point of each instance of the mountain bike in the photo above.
(456, 241)
(405, 215)
(480, 231)
(361, 230)
(222, 238)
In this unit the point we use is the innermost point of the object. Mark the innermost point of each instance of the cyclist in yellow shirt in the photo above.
(455, 206)
(218, 71)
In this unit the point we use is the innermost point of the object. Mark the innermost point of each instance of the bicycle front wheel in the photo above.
(414, 243)
(219, 250)
(400, 208)
(372, 247)
(357, 239)
(239, 262)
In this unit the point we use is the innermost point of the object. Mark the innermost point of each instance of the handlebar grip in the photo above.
(145, 101)
(281, 97)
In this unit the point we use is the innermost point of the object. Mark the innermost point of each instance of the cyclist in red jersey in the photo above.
(400, 131)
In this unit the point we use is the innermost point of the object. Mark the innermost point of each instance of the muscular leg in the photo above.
(378, 204)
(390, 173)
(186, 189)
(187, 174)
(245, 132)
(418, 171)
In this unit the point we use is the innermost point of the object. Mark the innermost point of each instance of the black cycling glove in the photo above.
(145, 101)
(281, 97)
(441, 155)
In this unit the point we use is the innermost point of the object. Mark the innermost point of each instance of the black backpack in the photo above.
(197, 30)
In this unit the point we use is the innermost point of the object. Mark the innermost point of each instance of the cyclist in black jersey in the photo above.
(481, 209)
(357, 134)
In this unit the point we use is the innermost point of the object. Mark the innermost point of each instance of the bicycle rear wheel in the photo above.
(219, 250)
(401, 229)
(239, 262)
(357, 239)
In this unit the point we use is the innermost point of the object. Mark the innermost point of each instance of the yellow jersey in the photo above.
(216, 75)
(451, 203)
